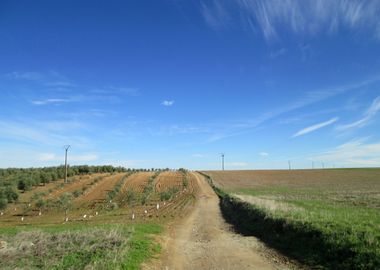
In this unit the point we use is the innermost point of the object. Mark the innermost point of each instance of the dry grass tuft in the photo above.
(82, 249)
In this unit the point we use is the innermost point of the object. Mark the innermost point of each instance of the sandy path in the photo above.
(203, 240)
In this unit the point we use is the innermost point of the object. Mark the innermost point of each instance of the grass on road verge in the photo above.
(77, 246)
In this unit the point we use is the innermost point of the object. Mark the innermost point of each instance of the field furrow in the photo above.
(99, 191)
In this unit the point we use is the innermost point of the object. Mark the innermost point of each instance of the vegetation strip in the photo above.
(323, 245)
(78, 247)
(116, 190)
(149, 188)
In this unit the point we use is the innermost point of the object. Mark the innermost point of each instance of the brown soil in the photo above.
(77, 184)
(203, 240)
(99, 191)
(326, 179)
(168, 179)
(136, 182)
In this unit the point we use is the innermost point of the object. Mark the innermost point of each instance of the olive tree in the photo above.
(65, 203)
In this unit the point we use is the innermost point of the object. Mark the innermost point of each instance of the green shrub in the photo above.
(24, 185)
(168, 194)
(10, 194)
(130, 197)
(3, 203)
(77, 193)
(114, 206)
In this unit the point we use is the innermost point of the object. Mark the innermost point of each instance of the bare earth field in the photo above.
(352, 179)
(340, 205)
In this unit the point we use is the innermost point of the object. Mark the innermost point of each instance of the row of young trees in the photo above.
(15, 180)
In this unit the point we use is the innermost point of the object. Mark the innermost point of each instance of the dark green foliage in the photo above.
(130, 197)
(149, 188)
(182, 170)
(168, 194)
(77, 193)
(40, 204)
(3, 203)
(144, 198)
(21, 185)
(9, 193)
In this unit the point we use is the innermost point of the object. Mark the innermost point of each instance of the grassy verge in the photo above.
(77, 246)
(316, 228)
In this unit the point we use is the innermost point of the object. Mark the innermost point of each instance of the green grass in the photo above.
(141, 246)
(77, 246)
(325, 226)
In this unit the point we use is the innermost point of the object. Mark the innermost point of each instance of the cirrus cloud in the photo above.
(315, 127)
(168, 103)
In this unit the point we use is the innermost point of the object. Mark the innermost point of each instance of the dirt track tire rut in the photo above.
(203, 240)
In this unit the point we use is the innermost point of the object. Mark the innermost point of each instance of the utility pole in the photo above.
(222, 154)
(66, 149)
(312, 165)
(290, 165)
(323, 165)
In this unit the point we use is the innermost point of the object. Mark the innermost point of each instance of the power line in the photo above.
(66, 149)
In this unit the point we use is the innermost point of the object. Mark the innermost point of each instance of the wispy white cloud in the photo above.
(264, 154)
(178, 129)
(216, 131)
(237, 164)
(49, 78)
(215, 14)
(128, 163)
(32, 76)
(168, 103)
(72, 158)
(366, 119)
(62, 84)
(197, 155)
(112, 90)
(309, 98)
(297, 16)
(41, 134)
(52, 84)
(315, 127)
(352, 153)
(277, 53)
(50, 101)
(47, 157)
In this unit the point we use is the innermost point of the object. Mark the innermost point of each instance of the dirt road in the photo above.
(203, 240)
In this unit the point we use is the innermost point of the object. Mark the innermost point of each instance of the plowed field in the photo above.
(97, 193)
(137, 182)
(167, 180)
(93, 199)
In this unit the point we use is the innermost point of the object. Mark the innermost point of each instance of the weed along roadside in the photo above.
(78, 246)
(323, 244)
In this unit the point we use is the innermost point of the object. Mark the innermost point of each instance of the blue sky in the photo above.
(175, 83)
